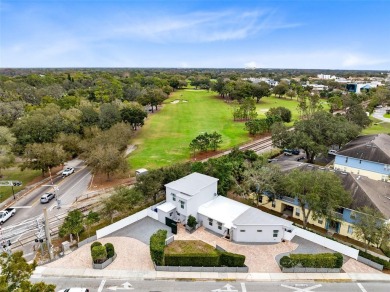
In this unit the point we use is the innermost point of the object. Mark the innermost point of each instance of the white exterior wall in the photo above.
(214, 228)
(191, 203)
(162, 215)
(251, 234)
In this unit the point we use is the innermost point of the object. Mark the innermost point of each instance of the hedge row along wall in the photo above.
(216, 259)
(321, 260)
(157, 246)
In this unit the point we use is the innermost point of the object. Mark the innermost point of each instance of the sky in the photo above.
(304, 34)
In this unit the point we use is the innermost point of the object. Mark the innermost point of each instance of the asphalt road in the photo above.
(29, 210)
(102, 285)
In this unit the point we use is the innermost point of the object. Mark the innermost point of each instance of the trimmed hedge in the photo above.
(195, 260)
(229, 259)
(157, 246)
(110, 250)
(384, 263)
(96, 243)
(321, 260)
(99, 254)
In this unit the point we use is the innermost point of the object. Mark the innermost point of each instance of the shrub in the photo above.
(287, 262)
(157, 246)
(96, 243)
(322, 260)
(110, 250)
(339, 260)
(231, 259)
(195, 260)
(99, 254)
(384, 263)
(191, 221)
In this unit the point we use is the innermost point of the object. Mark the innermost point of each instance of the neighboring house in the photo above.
(196, 195)
(366, 155)
(364, 192)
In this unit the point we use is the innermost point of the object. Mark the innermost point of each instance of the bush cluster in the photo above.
(157, 246)
(215, 259)
(195, 260)
(231, 259)
(322, 260)
(384, 263)
(100, 253)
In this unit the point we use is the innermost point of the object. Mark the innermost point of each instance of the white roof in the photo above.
(166, 207)
(254, 216)
(192, 184)
(223, 210)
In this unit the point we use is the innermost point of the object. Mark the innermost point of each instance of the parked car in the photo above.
(332, 152)
(47, 197)
(67, 171)
(74, 290)
(291, 152)
(6, 214)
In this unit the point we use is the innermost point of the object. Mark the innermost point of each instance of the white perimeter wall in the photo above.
(328, 243)
(127, 221)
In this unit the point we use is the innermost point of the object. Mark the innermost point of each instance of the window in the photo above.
(174, 197)
(320, 221)
(210, 222)
(260, 199)
(219, 225)
(276, 232)
(259, 230)
(297, 212)
(182, 204)
(273, 204)
(346, 159)
(360, 161)
(170, 214)
(350, 229)
(242, 230)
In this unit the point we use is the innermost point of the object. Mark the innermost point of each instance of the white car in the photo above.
(74, 290)
(332, 152)
(67, 171)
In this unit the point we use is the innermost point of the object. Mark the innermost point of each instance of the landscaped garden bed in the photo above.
(102, 255)
(192, 256)
(312, 263)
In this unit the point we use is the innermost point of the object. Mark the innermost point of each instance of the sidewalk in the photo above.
(260, 277)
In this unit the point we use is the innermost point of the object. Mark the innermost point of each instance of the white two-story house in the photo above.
(196, 195)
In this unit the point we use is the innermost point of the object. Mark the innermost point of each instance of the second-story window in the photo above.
(182, 204)
(174, 197)
(219, 225)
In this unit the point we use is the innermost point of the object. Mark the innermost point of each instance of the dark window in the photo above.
(242, 230)
(276, 233)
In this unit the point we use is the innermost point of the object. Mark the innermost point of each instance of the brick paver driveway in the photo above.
(132, 255)
(260, 258)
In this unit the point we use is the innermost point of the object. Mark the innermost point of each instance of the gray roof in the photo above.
(254, 216)
(371, 147)
(192, 183)
(367, 192)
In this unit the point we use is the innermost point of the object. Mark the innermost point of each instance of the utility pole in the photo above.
(47, 232)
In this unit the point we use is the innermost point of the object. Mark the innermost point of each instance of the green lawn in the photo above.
(189, 247)
(377, 127)
(386, 116)
(165, 138)
(25, 177)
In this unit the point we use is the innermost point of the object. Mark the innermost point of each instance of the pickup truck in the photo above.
(6, 214)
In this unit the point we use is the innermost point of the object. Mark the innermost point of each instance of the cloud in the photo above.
(197, 27)
(358, 60)
(251, 64)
